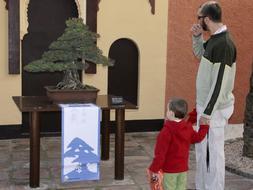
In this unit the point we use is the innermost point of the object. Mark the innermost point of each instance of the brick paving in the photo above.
(14, 166)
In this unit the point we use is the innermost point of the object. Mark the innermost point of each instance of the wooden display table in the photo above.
(34, 105)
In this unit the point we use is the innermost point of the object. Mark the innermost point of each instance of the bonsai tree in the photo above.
(70, 53)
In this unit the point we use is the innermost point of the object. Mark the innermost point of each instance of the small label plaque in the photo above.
(117, 100)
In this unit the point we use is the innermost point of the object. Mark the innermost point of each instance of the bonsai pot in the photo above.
(71, 96)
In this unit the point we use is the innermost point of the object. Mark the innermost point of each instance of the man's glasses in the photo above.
(199, 17)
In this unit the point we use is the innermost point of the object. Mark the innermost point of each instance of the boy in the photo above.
(173, 144)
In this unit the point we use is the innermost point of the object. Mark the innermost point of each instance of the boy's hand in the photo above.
(154, 177)
(204, 121)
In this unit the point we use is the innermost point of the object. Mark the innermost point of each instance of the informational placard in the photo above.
(80, 142)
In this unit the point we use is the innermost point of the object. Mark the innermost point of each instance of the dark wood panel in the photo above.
(91, 21)
(42, 30)
(13, 34)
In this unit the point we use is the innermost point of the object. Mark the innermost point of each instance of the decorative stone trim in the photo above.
(7, 4)
(24, 17)
(98, 5)
(81, 8)
(152, 4)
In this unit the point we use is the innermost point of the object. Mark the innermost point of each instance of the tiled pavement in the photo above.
(14, 166)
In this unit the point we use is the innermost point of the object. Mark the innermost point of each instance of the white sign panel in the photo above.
(80, 142)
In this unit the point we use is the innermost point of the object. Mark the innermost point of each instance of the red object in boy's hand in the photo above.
(155, 181)
(192, 116)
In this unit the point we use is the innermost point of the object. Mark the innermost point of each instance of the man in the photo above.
(214, 85)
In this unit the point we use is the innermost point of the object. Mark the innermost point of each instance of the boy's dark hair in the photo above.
(212, 11)
(179, 107)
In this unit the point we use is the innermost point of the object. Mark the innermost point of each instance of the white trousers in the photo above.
(214, 178)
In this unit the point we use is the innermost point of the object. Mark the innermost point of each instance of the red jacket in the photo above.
(173, 144)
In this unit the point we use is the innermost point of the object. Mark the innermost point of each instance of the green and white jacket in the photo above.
(216, 72)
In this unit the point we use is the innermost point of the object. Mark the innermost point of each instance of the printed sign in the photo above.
(80, 142)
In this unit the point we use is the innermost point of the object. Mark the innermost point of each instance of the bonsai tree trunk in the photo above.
(248, 122)
(71, 80)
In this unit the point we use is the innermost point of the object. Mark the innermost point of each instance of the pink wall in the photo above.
(182, 65)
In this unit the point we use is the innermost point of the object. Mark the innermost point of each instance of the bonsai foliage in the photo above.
(69, 54)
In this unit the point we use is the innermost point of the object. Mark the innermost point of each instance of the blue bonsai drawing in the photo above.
(84, 160)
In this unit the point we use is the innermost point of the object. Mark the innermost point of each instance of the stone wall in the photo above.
(182, 65)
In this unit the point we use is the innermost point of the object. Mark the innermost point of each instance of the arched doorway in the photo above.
(123, 76)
